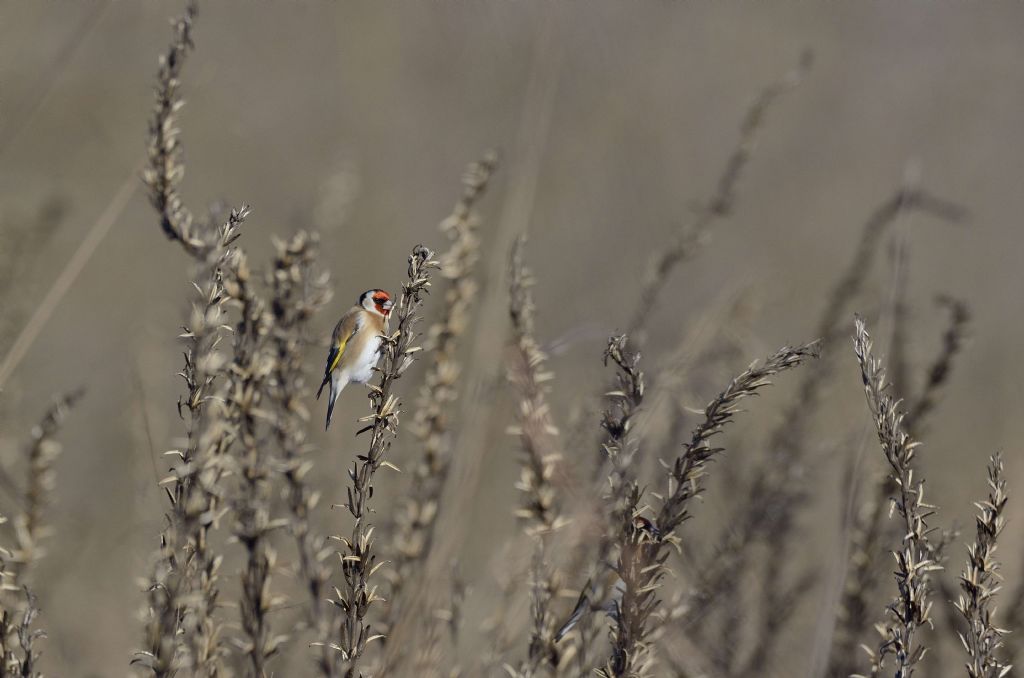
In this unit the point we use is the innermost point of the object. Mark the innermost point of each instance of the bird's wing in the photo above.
(343, 333)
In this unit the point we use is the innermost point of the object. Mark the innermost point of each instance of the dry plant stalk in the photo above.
(914, 561)
(246, 417)
(540, 513)
(358, 557)
(869, 530)
(298, 291)
(778, 491)
(619, 448)
(690, 237)
(980, 582)
(181, 632)
(417, 518)
(42, 455)
(953, 340)
(643, 550)
(165, 169)
(17, 638)
(18, 609)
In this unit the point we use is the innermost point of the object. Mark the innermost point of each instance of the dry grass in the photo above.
(603, 564)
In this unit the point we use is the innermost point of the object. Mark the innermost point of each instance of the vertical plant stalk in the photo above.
(247, 385)
(18, 609)
(980, 582)
(540, 512)
(869, 530)
(299, 292)
(690, 237)
(18, 636)
(417, 520)
(778, 491)
(358, 556)
(643, 549)
(914, 562)
(620, 448)
(40, 481)
(415, 527)
(181, 632)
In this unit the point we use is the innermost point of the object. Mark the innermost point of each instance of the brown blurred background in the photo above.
(357, 118)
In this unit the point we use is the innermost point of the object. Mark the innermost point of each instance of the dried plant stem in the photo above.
(540, 512)
(870, 527)
(690, 237)
(165, 169)
(298, 292)
(18, 609)
(980, 582)
(953, 340)
(417, 519)
(914, 561)
(777, 491)
(358, 556)
(247, 385)
(182, 632)
(42, 454)
(642, 551)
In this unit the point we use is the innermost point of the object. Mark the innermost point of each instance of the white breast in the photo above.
(361, 370)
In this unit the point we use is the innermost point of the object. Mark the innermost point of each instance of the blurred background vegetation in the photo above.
(612, 120)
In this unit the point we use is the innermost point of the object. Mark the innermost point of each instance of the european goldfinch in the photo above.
(355, 345)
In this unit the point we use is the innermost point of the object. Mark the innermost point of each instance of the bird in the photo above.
(355, 345)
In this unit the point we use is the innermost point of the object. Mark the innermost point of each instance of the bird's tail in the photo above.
(336, 386)
(327, 379)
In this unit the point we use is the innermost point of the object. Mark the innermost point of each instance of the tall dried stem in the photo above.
(298, 291)
(358, 557)
(643, 551)
(980, 582)
(910, 610)
(417, 519)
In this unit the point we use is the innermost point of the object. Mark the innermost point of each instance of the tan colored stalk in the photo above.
(540, 511)
(980, 582)
(358, 556)
(642, 548)
(298, 292)
(914, 560)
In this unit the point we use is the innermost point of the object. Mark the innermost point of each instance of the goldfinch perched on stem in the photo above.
(355, 345)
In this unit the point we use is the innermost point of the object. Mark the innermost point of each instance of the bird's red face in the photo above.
(382, 302)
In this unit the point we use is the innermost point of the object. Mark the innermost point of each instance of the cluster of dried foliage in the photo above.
(609, 531)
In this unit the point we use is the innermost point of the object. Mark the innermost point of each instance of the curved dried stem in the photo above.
(691, 236)
(642, 553)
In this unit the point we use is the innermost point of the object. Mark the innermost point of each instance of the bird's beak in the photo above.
(387, 306)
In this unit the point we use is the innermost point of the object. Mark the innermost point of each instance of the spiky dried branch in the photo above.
(42, 455)
(980, 582)
(358, 556)
(247, 416)
(417, 517)
(643, 549)
(298, 291)
(911, 609)
(540, 512)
